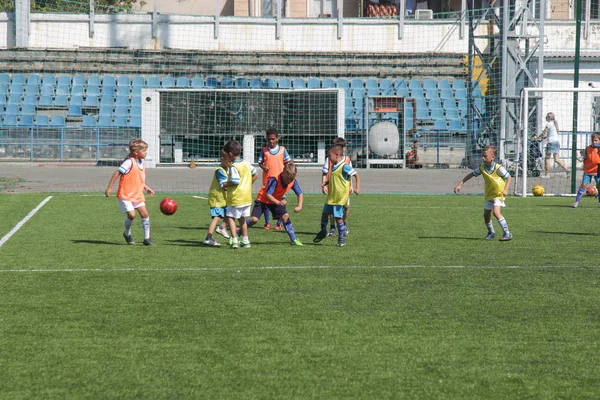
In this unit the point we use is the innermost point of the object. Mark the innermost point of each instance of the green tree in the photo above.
(82, 6)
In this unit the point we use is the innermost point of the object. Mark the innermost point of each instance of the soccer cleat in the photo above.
(490, 235)
(346, 231)
(211, 242)
(506, 237)
(331, 232)
(222, 231)
(574, 205)
(278, 227)
(296, 242)
(148, 242)
(320, 236)
(129, 238)
(341, 241)
(267, 226)
(245, 244)
(234, 245)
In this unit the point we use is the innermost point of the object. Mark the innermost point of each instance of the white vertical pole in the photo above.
(22, 17)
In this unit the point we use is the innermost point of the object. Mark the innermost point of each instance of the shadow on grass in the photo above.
(450, 237)
(76, 241)
(567, 233)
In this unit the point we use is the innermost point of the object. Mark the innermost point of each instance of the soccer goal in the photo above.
(577, 114)
(183, 125)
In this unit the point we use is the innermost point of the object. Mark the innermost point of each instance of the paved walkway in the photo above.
(86, 178)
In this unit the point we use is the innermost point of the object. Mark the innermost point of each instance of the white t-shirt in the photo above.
(552, 132)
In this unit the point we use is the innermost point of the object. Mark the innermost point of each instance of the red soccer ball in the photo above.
(168, 206)
(591, 191)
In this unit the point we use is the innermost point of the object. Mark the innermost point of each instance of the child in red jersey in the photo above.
(130, 194)
(591, 159)
(271, 160)
(271, 197)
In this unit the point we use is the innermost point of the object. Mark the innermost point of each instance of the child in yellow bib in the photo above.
(497, 181)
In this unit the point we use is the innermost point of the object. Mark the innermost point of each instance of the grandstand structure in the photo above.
(71, 85)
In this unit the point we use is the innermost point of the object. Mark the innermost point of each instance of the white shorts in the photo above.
(126, 206)
(238, 211)
(489, 204)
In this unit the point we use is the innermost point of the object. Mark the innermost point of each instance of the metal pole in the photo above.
(92, 18)
(576, 94)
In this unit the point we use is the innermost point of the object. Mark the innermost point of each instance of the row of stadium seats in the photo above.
(59, 121)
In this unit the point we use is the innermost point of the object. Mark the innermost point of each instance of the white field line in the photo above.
(308, 267)
(23, 221)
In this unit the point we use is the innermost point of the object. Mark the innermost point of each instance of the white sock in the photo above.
(146, 227)
(503, 224)
(128, 223)
(490, 227)
(245, 239)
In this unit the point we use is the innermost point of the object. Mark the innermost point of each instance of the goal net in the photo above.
(577, 115)
(184, 126)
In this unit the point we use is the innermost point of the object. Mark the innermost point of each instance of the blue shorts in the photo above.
(217, 212)
(336, 211)
(587, 178)
(553, 148)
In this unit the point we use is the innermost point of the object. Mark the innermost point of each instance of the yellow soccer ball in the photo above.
(538, 190)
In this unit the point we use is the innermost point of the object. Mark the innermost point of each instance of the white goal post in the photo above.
(184, 125)
(577, 112)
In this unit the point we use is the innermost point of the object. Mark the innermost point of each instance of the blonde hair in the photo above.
(491, 149)
(136, 145)
(551, 116)
(290, 169)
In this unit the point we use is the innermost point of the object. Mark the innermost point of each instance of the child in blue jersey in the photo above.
(272, 197)
(497, 181)
(240, 177)
(338, 192)
(216, 202)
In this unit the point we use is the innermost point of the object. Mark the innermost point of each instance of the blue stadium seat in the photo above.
(417, 93)
(458, 84)
(444, 84)
(270, 83)
(227, 82)
(313, 83)
(63, 90)
(153, 82)
(123, 91)
(109, 80)
(57, 121)
(431, 94)
(34, 79)
(429, 84)
(477, 91)
(121, 112)
(212, 82)
(328, 83)
(421, 103)
(122, 101)
(463, 106)
(105, 111)
(136, 91)
(440, 125)
(256, 83)
(74, 111)
(93, 90)
(2, 101)
(32, 90)
(479, 103)
(120, 122)
(299, 83)
(26, 120)
(167, 82)
(449, 104)
(372, 92)
(342, 83)
(4, 88)
(284, 83)
(45, 101)
(436, 114)
(19, 79)
(4, 79)
(387, 87)
(14, 99)
(109, 91)
(358, 95)
(107, 101)
(89, 121)
(452, 114)
(79, 80)
(10, 120)
(16, 89)
(123, 80)
(183, 82)
(28, 109)
(30, 100)
(371, 83)
(446, 94)
(136, 101)
(135, 122)
(460, 94)
(402, 92)
(61, 101)
(138, 81)
(422, 114)
(241, 83)
(414, 84)
(455, 125)
(91, 102)
(400, 84)
(92, 80)
(104, 121)
(47, 90)
(135, 111)
(197, 82)
(435, 103)
(77, 90)
(42, 120)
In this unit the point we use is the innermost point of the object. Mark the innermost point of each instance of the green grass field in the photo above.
(416, 305)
